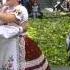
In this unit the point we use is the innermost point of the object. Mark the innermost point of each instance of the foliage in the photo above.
(50, 34)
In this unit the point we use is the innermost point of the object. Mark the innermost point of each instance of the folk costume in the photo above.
(17, 51)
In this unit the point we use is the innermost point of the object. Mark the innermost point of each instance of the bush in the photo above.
(50, 34)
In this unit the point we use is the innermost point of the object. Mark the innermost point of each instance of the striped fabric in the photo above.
(37, 65)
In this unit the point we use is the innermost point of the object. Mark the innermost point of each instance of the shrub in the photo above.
(51, 35)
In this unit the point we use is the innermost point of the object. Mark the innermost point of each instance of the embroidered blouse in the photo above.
(19, 11)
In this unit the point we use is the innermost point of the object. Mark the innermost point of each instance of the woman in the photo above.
(27, 56)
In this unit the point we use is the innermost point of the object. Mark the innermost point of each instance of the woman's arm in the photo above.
(24, 25)
(7, 17)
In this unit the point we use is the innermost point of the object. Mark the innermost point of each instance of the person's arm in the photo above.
(23, 18)
(7, 17)
(24, 25)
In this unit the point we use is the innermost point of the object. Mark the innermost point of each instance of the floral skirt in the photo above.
(21, 53)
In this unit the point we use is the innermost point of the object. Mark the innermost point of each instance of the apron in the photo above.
(12, 51)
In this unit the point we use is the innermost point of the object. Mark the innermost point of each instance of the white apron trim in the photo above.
(44, 67)
(35, 61)
(22, 64)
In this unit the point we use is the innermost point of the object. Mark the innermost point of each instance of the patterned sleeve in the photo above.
(3, 9)
(21, 14)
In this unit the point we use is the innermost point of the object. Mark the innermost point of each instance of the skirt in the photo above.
(21, 53)
(34, 57)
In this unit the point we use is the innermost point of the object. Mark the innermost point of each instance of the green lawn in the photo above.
(50, 34)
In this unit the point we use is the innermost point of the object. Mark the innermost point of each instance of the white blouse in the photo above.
(19, 11)
(12, 29)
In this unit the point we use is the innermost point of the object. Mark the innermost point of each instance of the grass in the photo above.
(50, 34)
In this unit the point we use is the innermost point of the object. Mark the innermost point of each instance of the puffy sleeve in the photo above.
(3, 9)
(21, 14)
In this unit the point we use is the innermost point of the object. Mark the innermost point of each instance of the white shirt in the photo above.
(35, 8)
